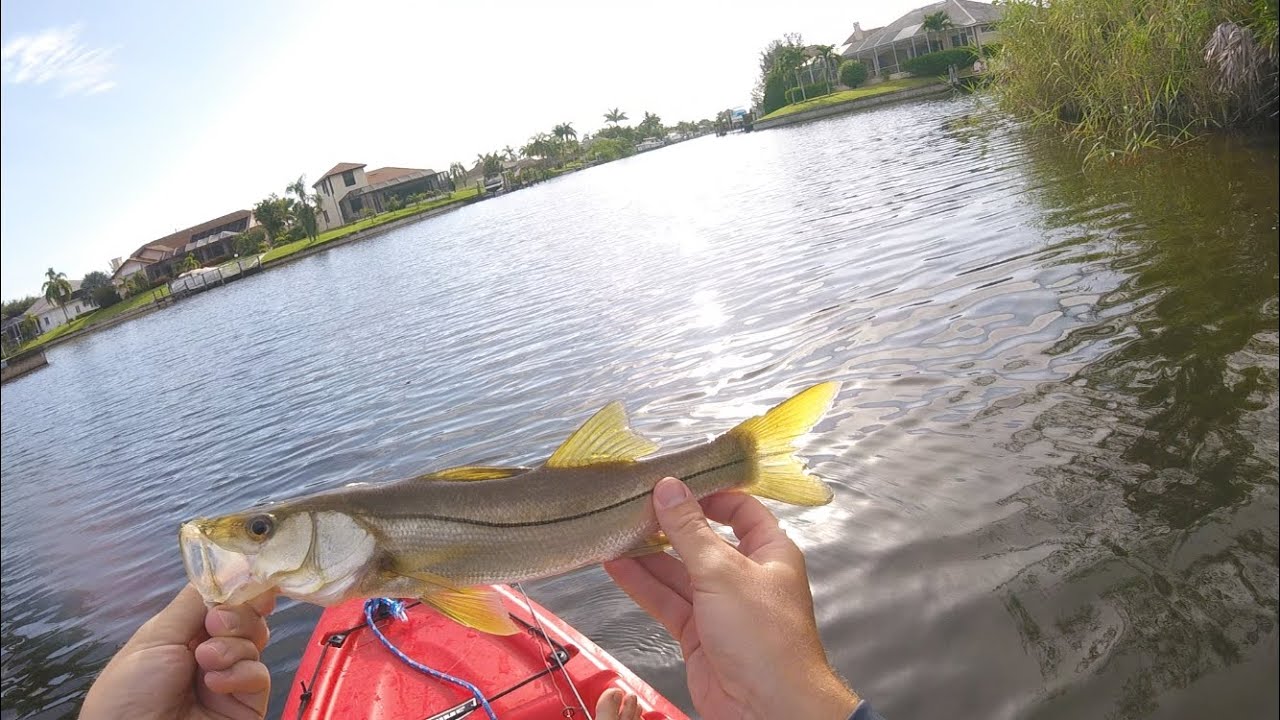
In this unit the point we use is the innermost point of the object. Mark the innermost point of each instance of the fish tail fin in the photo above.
(769, 440)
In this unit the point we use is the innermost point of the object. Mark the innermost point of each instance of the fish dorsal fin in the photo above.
(468, 473)
(604, 438)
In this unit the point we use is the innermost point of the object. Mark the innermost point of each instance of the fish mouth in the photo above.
(221, 575)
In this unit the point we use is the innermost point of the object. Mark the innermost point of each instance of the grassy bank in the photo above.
(283, 251)
(855, 94)
(1123, 75)
(97, 317)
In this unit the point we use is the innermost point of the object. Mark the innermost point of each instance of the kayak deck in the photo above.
(346, 672)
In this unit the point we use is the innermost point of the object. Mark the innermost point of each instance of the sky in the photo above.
(123, 122)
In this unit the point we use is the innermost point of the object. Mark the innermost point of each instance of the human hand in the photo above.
(743, 616)
(189, 662)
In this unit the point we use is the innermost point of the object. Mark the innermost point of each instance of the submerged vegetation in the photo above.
(1123, 75)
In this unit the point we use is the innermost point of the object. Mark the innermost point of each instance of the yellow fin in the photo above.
(778, 474)
(606, 437)
(655, 543)
(476, 607)
(467, 473)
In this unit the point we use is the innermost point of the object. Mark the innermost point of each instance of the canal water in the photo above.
(1054, 457)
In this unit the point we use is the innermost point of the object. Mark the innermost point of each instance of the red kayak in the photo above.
(549, 671)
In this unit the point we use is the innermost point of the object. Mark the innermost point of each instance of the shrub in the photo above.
(775, 93)
(250, 241)
(936, 63)
(105, 296)
(394, 203)
(807, 92)
(293, 234)
(853, 73)
(1122, 75)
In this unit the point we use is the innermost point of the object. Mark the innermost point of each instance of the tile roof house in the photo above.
(884, 49)
(347, 190)
(208, 241)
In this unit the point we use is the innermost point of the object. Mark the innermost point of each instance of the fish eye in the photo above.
(260, 526)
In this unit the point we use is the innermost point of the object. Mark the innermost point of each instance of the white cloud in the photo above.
(57, 56)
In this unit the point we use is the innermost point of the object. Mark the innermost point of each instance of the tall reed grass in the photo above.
(1123, 75)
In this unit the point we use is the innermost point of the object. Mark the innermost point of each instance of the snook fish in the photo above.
(442, 536)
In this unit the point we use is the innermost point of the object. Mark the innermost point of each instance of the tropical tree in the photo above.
(304, 210)
(189, 263)
(94, 280)
(935, 23)
(508, 153)
(457, 172)
(615, 116)
(490, 163)
(651, 126)
(830, 59)
(273, 214)
(57, 290)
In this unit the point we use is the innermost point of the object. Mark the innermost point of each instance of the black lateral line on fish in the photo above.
(579, 516)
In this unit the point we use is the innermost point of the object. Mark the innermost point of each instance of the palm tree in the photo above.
(457, 171)
(509, 153)
(304, 211)
(935, 23)
(615, 116)
(57, 290)
(828, 55)
(189, 263)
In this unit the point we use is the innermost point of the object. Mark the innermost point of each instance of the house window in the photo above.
(328, 187)
(349, 177)
(77, 308)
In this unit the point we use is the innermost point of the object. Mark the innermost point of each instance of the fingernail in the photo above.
(670, 492)
(230, 620)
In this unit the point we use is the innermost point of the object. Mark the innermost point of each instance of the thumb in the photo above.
(681, 518)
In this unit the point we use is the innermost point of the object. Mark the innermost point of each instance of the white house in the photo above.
(49, 315)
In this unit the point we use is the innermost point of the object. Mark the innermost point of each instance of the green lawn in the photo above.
(288, 249)
(98, 316)
(857, 93)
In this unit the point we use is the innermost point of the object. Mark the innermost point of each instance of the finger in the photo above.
(180, 622)
(239, 692)
(759, 536)
(670, 572)
(238, 621)
(221, 653)
(246, 676)
(609, 706)
(630, 708)
(680, 516)
(651, 594)
(264, 604)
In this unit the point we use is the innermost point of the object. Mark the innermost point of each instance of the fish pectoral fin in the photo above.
(606, 437)
(468, 473)
(655, 543)
(478, 608)
(475, 607)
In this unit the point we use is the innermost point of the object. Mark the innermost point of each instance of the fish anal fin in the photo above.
(655, 543)
(468, 473)
(606, 437)
(475, 607)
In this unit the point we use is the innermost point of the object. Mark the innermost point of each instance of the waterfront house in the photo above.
(884, 49)
(347, 190)
(210, 241)
(49, 315)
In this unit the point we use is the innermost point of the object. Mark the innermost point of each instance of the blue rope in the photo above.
(395, 608)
